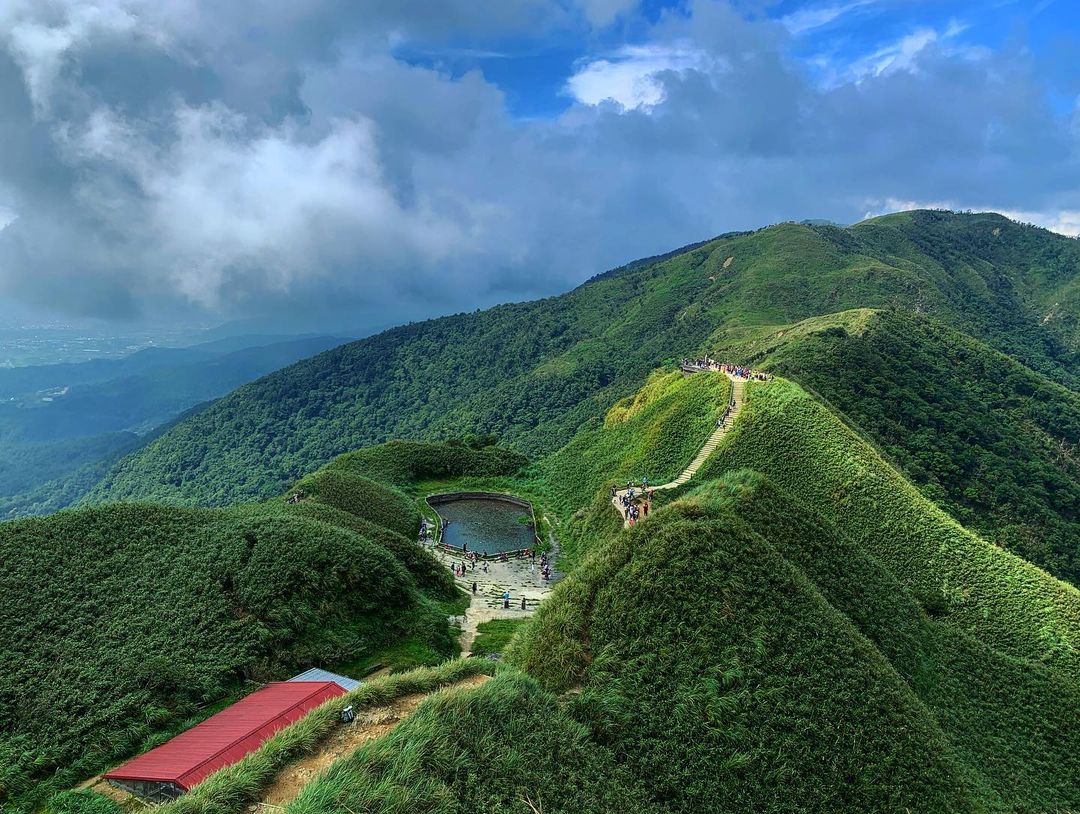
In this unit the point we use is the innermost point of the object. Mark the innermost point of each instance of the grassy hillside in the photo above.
(988, 439)
(650, 434)
(123, 623)
(817, 638)
(832, 616)
(534, 373)
(973, 585)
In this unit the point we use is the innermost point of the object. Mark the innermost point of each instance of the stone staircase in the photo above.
(737, 389)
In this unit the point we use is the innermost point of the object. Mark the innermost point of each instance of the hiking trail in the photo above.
(738, 388)
(369, 725)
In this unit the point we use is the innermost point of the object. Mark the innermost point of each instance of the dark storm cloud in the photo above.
(242, 157)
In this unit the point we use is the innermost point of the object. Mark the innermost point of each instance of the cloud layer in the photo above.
(185, 157)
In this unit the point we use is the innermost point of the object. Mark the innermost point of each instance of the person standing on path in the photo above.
(523, 603)
(474, 588)
(506, 600)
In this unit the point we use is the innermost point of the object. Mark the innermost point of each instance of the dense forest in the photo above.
(63, 426)
(988, 439)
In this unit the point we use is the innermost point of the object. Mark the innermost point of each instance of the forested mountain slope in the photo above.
(533, 373)
(63, 426)
(123, 623)
(990, 440)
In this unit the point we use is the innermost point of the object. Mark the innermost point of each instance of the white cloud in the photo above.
(896, 56)
(40, 48)
(1064, 222)
(230, 199)
(180, 163)
(808, 19)
(904, 54)
(632, 76)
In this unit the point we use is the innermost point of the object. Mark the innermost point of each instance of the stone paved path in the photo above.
(521, 578)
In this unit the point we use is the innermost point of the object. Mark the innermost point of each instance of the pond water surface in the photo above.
(487, 526)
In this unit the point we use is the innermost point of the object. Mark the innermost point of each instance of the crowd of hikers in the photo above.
(635, 503)
(738, 371)
(470, 559)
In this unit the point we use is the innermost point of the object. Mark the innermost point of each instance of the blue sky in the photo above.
(365, 162)
(830, 40)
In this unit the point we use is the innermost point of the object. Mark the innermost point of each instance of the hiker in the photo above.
(506, 600)
(474, 587)
(646, 507)
(523, 603)
(465, 547)
(485, 566)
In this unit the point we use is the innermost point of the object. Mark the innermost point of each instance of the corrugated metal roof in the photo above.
(224, 738)
(315, 674)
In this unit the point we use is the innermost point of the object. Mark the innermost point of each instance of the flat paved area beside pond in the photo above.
(519, 577)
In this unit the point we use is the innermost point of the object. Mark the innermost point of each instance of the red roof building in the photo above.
(176, 766)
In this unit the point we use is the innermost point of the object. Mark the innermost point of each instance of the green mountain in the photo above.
(864, 600)
(797, 629)
(536, 373)
(122, 624)
(990, 440)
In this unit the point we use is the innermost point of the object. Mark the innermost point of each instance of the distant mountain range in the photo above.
(535, 373)
(62, 426)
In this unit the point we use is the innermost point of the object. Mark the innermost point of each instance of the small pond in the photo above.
(487, 525)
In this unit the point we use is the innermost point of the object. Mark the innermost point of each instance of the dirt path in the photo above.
(369, 725)
(100, 785)
(738, 388)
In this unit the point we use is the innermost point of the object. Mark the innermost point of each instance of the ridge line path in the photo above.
(738, 388)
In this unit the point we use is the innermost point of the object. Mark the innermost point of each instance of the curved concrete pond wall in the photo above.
(487, 523)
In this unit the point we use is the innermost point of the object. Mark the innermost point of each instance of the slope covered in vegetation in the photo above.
(988, 439)
(62, 427)
(119, 624)
(534, 373)
(820, 620)
(816, 638)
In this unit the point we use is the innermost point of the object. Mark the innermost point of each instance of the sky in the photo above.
(369, 162)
